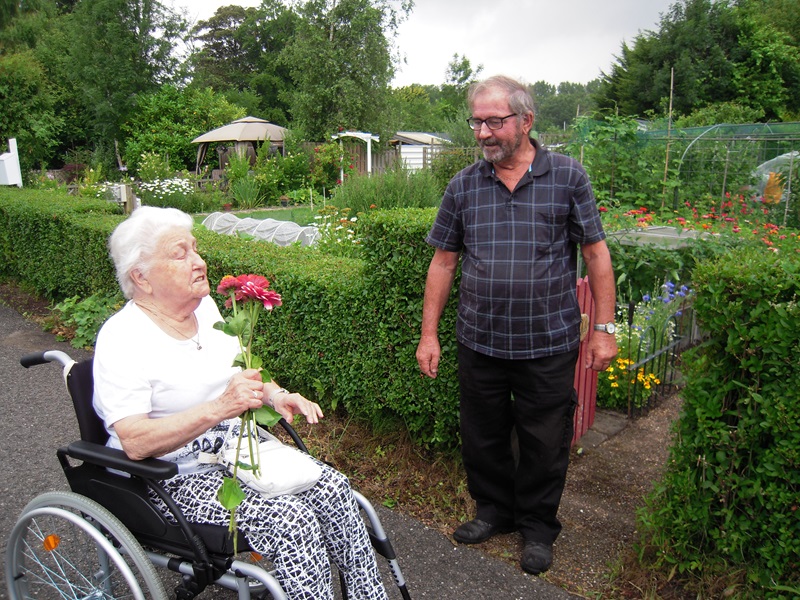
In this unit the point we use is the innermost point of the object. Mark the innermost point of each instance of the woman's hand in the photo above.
(243, 392)
(289, 405)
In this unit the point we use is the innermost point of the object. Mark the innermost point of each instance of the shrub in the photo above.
(154, 167)
(729, 503)
(328, 164)
(83, 318)
(447, 163)
(246, 191)
(396, 188)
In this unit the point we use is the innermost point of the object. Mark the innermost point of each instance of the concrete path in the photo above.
(37, 418)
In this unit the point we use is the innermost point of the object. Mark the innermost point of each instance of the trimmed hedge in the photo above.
(729, 504)
(346, 334)
(56, 243)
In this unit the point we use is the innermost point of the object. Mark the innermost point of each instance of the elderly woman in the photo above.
(165, 388)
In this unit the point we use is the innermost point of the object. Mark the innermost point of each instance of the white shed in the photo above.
(417, 147)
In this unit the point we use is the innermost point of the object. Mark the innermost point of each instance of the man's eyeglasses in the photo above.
(493, 123)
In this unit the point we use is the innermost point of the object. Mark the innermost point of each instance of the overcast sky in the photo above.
(532, 40)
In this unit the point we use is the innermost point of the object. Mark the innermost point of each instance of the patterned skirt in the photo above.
(297, 533)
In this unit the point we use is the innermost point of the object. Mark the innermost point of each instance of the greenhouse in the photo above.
(281, 233)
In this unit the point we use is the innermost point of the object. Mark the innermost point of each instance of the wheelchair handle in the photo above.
(40, 358)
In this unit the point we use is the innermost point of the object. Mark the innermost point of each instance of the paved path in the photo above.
(37, 418)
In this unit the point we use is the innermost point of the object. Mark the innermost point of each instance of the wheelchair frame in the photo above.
(130, 535)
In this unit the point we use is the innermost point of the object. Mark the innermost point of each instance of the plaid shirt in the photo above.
(517, 296)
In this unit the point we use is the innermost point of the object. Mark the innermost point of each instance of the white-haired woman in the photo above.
(165, 388)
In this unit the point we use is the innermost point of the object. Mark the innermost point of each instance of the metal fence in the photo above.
(655, 359)
(723, 160)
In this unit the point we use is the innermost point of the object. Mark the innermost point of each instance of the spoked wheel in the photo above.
(67, 546)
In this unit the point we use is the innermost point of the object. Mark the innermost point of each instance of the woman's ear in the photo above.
(140, 281)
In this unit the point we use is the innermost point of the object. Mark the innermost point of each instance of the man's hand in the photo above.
(601, 350)
(428, 354)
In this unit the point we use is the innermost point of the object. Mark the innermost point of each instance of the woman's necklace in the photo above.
(176, 330)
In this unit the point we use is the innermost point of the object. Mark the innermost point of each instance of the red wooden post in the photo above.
(585, 379)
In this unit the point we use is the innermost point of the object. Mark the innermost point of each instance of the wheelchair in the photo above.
(105, 538)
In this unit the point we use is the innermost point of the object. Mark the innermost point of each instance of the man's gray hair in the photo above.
(133, 243)
(520, 100)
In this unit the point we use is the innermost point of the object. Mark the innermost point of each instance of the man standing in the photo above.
(515, 220)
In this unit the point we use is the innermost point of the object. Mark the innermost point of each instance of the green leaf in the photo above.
(236, 326)
(238, 361)
(230, 493)
(267, 416)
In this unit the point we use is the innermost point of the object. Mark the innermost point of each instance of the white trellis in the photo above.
(281, 233)
(364, 137)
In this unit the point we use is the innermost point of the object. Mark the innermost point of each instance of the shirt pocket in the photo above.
(549, 229)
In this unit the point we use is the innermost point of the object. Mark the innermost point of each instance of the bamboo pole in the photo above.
(669, 140)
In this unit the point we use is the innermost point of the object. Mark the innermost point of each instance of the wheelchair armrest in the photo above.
(112, 458)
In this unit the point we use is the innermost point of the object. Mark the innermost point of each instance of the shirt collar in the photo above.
(540, 166)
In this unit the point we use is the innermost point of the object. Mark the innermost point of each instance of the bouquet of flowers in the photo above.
(248, 297)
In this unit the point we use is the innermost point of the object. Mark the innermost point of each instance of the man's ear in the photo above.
(527, 122)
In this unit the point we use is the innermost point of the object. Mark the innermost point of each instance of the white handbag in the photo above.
(282, 469)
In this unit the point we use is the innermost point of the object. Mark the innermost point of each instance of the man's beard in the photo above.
(495, 151)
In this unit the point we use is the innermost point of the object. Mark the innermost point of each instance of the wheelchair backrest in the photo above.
(80, 384)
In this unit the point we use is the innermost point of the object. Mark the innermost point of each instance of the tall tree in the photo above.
(27, 109)
(558, 106)
(720, 50)
(223, 62)
(341, 63)
(120, 49)
(239, 56)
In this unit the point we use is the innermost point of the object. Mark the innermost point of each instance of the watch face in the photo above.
(611, 328)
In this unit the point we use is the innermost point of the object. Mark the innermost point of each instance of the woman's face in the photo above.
(177, 275)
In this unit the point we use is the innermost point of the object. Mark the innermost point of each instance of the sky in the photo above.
(531, 40)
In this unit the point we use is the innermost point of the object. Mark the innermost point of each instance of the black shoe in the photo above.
(536, 557)
(477, 531)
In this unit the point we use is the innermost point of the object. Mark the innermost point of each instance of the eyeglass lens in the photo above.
(492, 123)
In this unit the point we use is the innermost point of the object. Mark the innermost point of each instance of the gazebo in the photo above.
(243, 133)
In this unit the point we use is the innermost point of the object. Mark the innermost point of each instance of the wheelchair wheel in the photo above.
(67, 546)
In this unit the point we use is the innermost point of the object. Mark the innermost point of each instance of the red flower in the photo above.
(248, 287)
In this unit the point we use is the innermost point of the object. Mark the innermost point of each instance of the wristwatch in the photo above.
(609, 327)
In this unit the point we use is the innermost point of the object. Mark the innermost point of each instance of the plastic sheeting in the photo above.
(783, 166)
(281, 233)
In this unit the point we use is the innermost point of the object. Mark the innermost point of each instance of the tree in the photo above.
(452, 101)
(412, 110)
(27, 109)
(166, 121)
(240, 56)
(341, 63)
(721, 51)
(224, 61)
(119, 50)
(558, 106)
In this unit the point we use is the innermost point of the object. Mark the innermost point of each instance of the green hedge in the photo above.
(56, 243)
(728, 506)
(346, 334)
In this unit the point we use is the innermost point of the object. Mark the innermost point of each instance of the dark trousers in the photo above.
(537, 398)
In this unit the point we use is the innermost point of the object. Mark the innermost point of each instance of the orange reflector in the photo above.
(51, 542)
(256, 556)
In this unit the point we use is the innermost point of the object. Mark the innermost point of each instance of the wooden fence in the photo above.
(585, 379)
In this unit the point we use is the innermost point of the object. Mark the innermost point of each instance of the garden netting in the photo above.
(281, 233)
